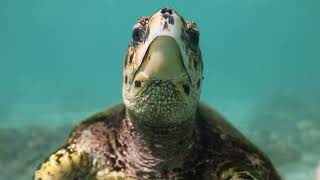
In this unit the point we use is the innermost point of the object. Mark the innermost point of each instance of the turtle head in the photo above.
(162, 70)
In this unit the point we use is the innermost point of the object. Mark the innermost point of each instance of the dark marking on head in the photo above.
(166, 16)
(126, 60)
(138, 34)
(165, 26)
(143, 20)
(166, 10)
(125, 79)
(186, 88)
(183, 36)
(194, 36)
(195, 64)
(130, 58)
(137, 83)
(198, 84)
(171, 20)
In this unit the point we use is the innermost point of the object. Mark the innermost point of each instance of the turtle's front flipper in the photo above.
(242, 171)
(65, 164)
(240, 174)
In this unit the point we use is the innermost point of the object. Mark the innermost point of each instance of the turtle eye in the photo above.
(194, 36)
(137, 34)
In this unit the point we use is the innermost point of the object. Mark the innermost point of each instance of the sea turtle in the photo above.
(161, 131)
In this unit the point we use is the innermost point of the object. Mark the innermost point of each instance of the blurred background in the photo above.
(61, 60)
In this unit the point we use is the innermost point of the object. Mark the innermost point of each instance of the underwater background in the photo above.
(61, 61)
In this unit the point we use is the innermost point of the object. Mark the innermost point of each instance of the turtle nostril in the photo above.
(166, 10)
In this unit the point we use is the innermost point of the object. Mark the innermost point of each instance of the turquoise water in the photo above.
(60, 61)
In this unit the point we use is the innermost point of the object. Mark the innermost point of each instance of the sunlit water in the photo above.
(60, 61)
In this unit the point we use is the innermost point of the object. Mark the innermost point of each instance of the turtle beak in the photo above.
(163, 55)
(163, 60)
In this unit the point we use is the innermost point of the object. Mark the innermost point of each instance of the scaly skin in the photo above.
(65, 164)
(225, 153)
(73, 162)
(161, 131)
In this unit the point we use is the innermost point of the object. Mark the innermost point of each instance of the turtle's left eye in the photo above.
(194, 36)
(137, 34)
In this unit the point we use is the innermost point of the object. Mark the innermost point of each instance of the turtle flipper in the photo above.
(243, 171)
(237, 174)
(65, 164)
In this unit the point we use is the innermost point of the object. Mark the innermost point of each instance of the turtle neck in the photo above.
(155, 150)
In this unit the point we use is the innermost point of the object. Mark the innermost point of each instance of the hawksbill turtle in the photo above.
(161, 130)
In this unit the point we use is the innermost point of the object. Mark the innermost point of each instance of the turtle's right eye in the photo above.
(137, 34)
